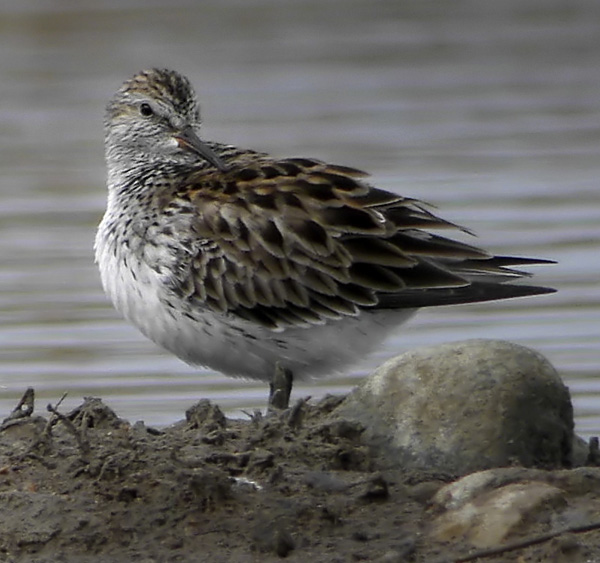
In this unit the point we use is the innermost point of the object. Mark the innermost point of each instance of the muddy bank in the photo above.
(299, 484)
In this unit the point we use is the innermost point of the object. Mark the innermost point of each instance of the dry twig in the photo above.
(79, 436)
(23, 409)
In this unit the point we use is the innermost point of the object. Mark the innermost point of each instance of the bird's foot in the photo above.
(280, 388)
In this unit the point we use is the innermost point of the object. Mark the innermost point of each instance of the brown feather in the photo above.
(297, 241)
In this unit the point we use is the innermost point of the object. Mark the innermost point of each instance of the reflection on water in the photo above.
(490, 113)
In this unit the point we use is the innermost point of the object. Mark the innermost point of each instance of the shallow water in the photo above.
(490, 112)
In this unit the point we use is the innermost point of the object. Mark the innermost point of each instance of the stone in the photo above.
(465, 406)
(574, 482)
(458, 493)
(490, 517)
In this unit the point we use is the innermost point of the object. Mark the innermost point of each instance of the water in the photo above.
(490, 111)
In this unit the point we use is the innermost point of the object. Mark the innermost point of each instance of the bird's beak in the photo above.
(188, 139)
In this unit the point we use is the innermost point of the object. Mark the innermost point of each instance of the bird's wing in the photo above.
(297, 242)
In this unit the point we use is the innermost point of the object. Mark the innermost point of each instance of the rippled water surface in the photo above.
(490, 111)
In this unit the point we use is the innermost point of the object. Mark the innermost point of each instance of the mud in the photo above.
(87, 486)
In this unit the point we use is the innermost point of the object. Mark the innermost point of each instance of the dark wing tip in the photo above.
(520, 261)
(475, 292)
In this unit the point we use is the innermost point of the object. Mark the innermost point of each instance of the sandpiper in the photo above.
(254, 265)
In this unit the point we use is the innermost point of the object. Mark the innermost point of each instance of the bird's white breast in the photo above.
(225, 342)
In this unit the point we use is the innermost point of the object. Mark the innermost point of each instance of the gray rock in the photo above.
(463, 407)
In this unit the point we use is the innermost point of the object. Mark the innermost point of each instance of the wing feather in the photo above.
(297, 242)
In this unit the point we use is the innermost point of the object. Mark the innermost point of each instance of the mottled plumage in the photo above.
(237, 260)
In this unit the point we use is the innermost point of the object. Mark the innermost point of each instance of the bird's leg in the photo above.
(280, 388)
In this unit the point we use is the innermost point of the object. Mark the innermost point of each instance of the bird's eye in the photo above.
(146, 110)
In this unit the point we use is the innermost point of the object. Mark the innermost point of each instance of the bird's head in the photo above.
(155, 117)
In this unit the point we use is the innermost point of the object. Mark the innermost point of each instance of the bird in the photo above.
(275, 269)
